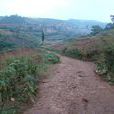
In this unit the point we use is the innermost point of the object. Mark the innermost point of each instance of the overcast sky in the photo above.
(60, 9)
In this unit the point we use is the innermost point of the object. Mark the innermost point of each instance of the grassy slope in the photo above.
(99, 48)
(15, 39)
(97, 42)
(89, 45)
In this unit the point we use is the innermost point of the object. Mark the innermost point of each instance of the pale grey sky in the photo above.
(60, 9)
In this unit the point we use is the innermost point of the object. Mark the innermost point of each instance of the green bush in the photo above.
(101, 65)
(109, 56)
(105, 64)
(6, 45)
(11, 110)
(51, 58)
(18, 81)
(74, 53)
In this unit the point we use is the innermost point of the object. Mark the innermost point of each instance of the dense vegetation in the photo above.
(74, 53)
(105, 64)
(18, 81)
(19, 78)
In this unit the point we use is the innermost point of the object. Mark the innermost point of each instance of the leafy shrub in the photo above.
(109, 56)
(11, 110)
(101, 65)
(18, 81)
(74, 53)
(90, 55)
(6, 45)
(105, 65)
(51, 58)
(96, 29)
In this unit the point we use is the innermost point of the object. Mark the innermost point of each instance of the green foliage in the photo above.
(18, 81)
(11, 110)
(13, 19)
(105, 63)
(6, 45)
(51, 58)
(74, 53)
(101, 65)
(12, 37)
(109, 26)
(109, 59)
(19, 77)
(96, 29)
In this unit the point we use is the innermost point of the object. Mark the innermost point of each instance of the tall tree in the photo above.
(43, 37)
(96, 29)
(110, 25)
(112, 18)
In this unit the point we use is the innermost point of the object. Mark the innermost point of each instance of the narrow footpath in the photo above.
(74, 88)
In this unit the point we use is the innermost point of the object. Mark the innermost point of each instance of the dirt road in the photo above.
(74, 88)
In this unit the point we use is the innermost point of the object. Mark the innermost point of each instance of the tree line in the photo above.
(97, 29)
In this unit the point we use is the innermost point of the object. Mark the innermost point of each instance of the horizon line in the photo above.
(54, 18)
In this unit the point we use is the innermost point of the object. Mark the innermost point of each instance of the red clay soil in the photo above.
(74, 88)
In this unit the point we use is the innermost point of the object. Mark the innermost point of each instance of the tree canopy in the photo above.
(96, 29)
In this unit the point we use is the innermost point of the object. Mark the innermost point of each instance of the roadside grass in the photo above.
(20, 76)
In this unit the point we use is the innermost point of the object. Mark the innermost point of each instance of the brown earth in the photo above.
(74, 88)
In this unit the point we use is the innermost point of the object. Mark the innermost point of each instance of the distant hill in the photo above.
(16, 31)
(14, 19)
(69, 28)
(53, 28)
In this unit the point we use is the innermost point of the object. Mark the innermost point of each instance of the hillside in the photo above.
(76, 27)
(14, 19)
(94, 43)
(98, 48)
(10, 39)
(55, 30)
(99, 41)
